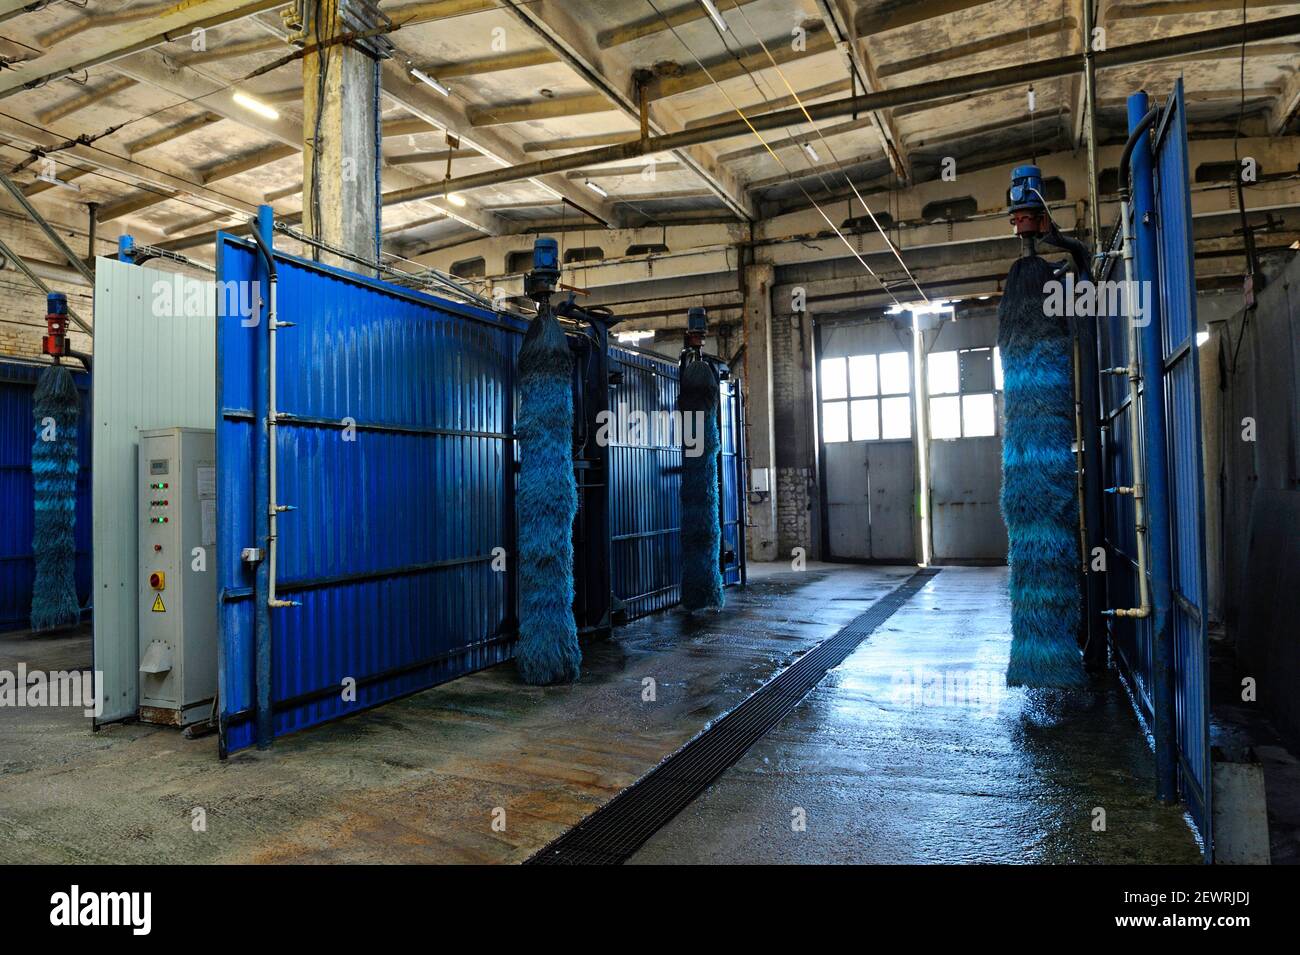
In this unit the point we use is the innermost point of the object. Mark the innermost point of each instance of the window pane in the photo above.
(942, 375)
(896, 418)
(997, 369)
(833, 384)
(835, 421)
(894, 379)
(862, 376)
(977, 413)
(866, 419)
(945, 418)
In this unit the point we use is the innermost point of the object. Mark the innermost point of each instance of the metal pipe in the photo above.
(1160, 558)
(1146, 51)
(1090, 105)
(273, 506)
(91, 208)
(1133, 370)
(1134, 373)
(265, 456)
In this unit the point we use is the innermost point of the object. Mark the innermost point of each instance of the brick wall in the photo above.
(22, 306)
(792, 413)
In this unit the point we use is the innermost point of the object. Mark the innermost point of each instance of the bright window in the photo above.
(835, 421)
(945, 417)
(863, 381)
(866, 398)
(866, 419)
(833, 382)
(895, 374)
(963, 388)
(943, 376)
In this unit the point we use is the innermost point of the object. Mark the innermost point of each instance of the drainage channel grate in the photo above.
(615, 831)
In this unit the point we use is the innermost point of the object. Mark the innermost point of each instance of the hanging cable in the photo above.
(739, 112)
(831, 152)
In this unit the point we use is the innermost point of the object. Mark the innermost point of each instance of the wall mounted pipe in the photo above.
(1133, 370)
(265, 730)
(1129, 54)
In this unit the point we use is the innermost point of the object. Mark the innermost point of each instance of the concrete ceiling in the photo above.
(546, 77)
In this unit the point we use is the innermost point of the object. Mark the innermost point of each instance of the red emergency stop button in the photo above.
(157, 580)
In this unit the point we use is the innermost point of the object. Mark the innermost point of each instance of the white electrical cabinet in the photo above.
(177, 558)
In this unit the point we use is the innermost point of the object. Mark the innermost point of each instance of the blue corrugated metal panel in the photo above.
(390, 544)
(645, 487)
(17, 383)
(1183, 428)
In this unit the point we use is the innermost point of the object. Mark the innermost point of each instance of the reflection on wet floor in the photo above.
(914, 751)
(909, 751)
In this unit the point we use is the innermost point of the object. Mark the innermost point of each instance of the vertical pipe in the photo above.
(261, 495)
(91, 208)
(1090, 106)
(1157, 464)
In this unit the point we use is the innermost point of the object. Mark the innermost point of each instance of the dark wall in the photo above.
(1259, 492)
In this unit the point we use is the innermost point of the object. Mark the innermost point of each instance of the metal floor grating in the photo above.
(611, 834)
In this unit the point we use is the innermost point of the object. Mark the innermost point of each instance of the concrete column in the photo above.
(340, 138)
(760, 439)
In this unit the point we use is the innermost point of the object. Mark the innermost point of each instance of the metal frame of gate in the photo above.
(1163, 656)
(1181, 375)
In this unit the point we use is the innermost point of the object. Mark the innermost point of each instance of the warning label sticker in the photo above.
(158, 604)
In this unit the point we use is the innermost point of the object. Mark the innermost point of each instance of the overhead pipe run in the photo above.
(1164, 48)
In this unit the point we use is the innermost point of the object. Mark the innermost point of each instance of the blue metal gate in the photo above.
(645, 487)
(17, 385)
(1177, 291)
(396, 456)
(1163, 654)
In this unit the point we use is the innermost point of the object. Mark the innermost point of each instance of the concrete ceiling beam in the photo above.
(611, 76)
(156, 27)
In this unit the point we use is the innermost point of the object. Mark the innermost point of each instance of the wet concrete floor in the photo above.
(484, 769)
(914, 751)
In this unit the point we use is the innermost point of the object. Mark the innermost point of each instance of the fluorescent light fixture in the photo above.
(715, 14)
(56, 181)
(428, 80)
(596, 189)
(631, 338)
(255, 105)
(812, 153)
(1202, 338)
(455, 198)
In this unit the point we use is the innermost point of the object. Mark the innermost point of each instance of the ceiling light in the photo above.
(56, 181)
(254, 105)
(455, 198)
(428, 80)
(715, 14)
(596, 189)
(812, 153)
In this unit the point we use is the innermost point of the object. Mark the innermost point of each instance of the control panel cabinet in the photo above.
(177, 561)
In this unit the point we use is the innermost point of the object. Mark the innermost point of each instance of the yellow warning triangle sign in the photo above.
(158, 604)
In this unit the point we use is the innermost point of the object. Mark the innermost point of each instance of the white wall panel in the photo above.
(151, 371)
